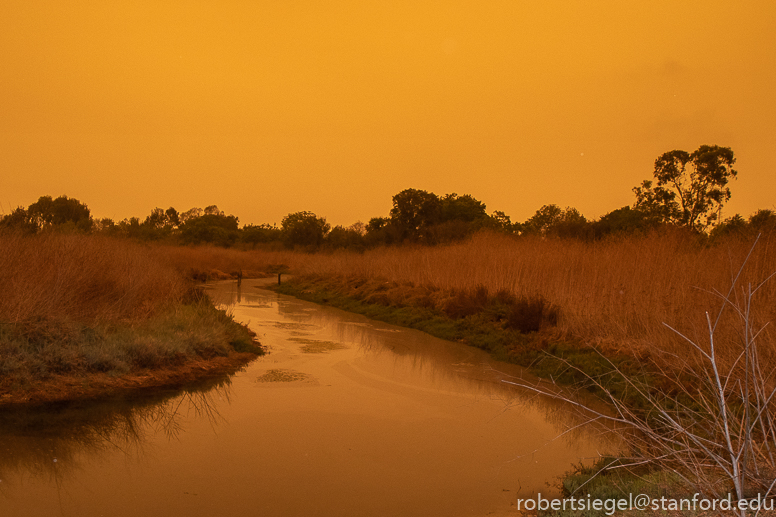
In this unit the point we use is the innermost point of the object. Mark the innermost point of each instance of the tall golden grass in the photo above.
(616, 294)
(85, 278)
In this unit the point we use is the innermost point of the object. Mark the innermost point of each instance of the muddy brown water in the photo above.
(344, 416)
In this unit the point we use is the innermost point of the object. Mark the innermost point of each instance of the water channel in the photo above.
(344, 416)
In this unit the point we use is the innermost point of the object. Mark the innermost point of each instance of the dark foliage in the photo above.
(530, 314)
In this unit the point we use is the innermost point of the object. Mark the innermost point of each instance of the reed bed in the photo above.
(201, 262)
(83, 278)
(615, 294)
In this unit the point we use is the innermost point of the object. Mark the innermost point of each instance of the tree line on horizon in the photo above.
(688, 191)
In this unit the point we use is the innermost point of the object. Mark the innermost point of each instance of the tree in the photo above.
(377, 223)
(221, 230)
(304, 229)
(380, 230)
(157, 219)
(571, 224)
(453, 207)
(262, 233)
(503, 223)
(190, 214)
(690, 189)
(414, 212)
(735, 225)
(19, 220)
(62, 211)
(106, 226)
(341, 237)
(761, 222)
(213, 210)
(172, 217)
(622, 220)
(551, 220)
(130, 227)
(543, 220)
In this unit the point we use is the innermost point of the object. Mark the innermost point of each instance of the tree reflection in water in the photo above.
(55, 440)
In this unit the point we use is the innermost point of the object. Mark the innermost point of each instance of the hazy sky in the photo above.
(271, 107)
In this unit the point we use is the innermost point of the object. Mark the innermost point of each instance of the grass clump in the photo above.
(37, 349)
(531, 314)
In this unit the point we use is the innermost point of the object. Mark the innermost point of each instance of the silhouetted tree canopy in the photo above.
(623, 220)
(380, 230)
(544, 219)
(453, 207)
(62, 214)
(761, 222)
(190, 214)
(19, 220)
(551, 220)
(221, 230)
(690, 189)
(414, 212)
(157, 219)
(303, 229)
(501, 222)
(62, 211)
(347, 238)
(260, 233)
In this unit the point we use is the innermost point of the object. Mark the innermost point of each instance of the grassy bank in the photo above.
(521, 331)
(81, 315)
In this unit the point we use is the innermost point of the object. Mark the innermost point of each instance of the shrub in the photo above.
(530, 314)
(466, 302)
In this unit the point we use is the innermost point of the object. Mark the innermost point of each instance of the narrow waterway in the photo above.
(344, 416)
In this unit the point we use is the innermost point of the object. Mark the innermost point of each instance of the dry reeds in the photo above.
(82, 278)
(715, 429)
(614, 294)
(210, 262)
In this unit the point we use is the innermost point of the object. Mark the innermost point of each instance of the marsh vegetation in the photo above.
(84, 310)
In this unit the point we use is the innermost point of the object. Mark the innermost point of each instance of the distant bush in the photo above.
(304, 229)
(211, 228)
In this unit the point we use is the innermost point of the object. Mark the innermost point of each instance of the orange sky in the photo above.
(271, 107)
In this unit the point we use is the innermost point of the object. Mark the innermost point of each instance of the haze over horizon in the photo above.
(266, 108)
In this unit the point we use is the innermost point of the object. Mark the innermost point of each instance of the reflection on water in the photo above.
(344, 416)
(51, 441)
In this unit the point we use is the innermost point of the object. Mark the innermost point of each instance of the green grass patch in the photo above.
(36, 349)
(615, 486)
